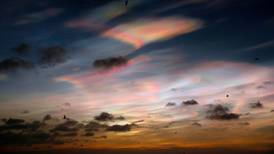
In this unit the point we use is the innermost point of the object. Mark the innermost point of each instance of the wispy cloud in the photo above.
(96, 19)
(258, 46)
(39, 16)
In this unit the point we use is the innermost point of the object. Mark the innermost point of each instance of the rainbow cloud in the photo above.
(144, 31)
(81, 80)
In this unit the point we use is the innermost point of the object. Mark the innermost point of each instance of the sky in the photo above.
(91, 74)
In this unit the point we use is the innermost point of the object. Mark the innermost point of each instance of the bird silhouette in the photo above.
(65, 117)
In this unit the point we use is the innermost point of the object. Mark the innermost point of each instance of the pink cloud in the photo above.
(97, 75)
(144, 31)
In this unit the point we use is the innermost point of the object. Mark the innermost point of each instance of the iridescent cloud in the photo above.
(144, 31)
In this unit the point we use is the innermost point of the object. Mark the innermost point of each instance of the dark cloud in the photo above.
(260, 87)
(265, 84)
(170, 104)
(68, 126)
(138, 121)
(89, 134)
(120, 118)
(53, 56)
(226, 116)
(219, 112)
(111, 62)
(104, 116)
(11, 138)
(94, 126)
(19, 124)
(190, 102)
(4, 120)
(12, 121)
(196, 124)
(35, 125)
(169, 124)
(22, 48)
(69, 134)
(119, 128)
(15, 126)
(256, 105)
(13, 64)
(268, 82)
(47, 117)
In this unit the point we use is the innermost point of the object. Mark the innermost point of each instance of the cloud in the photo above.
(68, 134)
(120, 118)
(111, 62)
(119, 128)
(98, 17)
(12, 138)
(84, 79)
(170, 104)
(258, 46)
(20, 132)
(89, 134)
(143, 31)
(219, 112)
(22, 48)
(104, 116)
(190, 102)
(94, 126)
(25, 112)
(268, 82)
(53, 56)
(196, 124)
(14, 64)
(38, 16)
(12, 121)
(47, 117)
(256, 105)
(20, 124)
(265, 85)
(68, 126)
